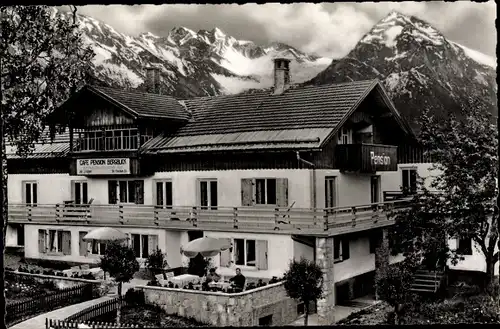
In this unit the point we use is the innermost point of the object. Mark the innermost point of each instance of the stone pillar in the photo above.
(381, 255)
(324, 258)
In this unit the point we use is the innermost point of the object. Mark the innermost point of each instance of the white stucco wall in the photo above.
(11, 236)
(167, 242)
(302, 250)
(279, 254)
(393, 180)
(474, 262)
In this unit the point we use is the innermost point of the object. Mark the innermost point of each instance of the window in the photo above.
(464, 246)
(375, 238)
(264, 191)
(244, 252)
(143, 245)
(208, 194)
(107, 139)
(409, 180)
(98, 248)
(54, 241)
(341, 250)
(344, 136)
(126, 191)
(375, 189)
(80, 192)
(20, 235)
(163, 192)
(30, 193)
(330, 195)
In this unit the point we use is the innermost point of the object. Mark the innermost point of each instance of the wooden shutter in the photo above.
(152, 243)
(345, 249)
(225, 255)
(72, 188)
(282, 192)
(66, 242)
(155, 202)
(139, 192)
(83, 244)
(112, 197)
(42, 241)
(261, 254)
(24, 188)
(247, 192)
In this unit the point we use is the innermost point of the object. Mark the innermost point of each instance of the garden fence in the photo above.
(20, 310)
(95, 311)
(64, 324)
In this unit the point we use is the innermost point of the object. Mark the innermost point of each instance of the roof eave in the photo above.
(110, 99)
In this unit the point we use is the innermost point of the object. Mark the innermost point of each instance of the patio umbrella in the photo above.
(105, 234)
(207, 247)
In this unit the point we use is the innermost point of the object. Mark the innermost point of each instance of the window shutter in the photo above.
(139, 192)
(66, 242)
(261, 254)
(83, 244)
(155, 201)
(112, 184)
(41, 241)
(345, 249)
(282, 192)
(152, 243)
(225, 256)
(247, 192)
(73, 195)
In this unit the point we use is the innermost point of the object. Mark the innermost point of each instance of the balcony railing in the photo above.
(223, 218)
(366, 158)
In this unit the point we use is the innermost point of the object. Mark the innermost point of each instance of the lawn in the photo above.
(148, 316)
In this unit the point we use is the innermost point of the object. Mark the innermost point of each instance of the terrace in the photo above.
(322, 222)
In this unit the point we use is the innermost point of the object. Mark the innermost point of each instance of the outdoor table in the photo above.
(184, 279)
(219, 285)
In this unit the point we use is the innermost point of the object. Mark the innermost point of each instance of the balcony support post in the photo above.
(156, 219)
(120, 212)
(235, 217)
(194, 216)
(382, 255)
(325, 220)
(58, 212)
(324, 258)
(276, 218)
(29, 213)
(353, 209)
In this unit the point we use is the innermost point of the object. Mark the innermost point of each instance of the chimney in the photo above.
(153, 79)
(281, 75)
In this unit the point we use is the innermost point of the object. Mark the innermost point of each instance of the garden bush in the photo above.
(154, 282)
(134, 297)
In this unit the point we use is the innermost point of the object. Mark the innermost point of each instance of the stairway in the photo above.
(426, 281)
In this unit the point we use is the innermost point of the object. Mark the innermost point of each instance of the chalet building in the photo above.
(288, 173)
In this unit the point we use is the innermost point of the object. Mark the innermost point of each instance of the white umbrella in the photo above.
(207, 247)
(105, 234)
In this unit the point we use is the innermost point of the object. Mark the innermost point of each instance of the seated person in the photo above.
(238, 281)
(213, 276)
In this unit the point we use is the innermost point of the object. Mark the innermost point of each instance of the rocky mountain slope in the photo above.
(193, 63)
(419, 67)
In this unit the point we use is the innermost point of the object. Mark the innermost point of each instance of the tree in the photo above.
(461, 202)
(43, 60)
(393, 282)
(304, 282)
(120, 262)
(156, 262)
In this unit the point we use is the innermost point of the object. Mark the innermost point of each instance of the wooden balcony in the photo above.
(366, 158)
(305, 221)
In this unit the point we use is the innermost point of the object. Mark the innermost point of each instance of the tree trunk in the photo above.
(119, 308)
(3, 180)
(489, 275)
(306, 313)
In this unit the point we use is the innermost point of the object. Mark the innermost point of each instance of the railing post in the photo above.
(325, 219)
(375, 215)
(353, 209)
(58, 212)
(29, 213)
(276, 218)
(235, 217)
(156, 219)
(194, 216)
(120, 211)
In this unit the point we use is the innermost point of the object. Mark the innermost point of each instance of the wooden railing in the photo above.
(234, 218)
(95, 311)
(65, 324)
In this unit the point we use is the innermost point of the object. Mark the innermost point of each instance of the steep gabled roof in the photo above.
(297, 108)
(145, 105)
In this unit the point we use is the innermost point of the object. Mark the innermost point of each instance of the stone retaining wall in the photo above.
(223, 309)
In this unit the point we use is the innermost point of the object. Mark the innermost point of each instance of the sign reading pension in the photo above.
(114, 166)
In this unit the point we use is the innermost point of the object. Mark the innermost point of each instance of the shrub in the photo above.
(251, 286)
(134, 297)
(198, 265)
(154, 283)
(156, 262)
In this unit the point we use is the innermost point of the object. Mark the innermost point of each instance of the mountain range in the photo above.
(418, 65)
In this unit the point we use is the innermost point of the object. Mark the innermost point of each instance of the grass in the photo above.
(149, 316)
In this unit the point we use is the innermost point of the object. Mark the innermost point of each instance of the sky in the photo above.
(325, 29)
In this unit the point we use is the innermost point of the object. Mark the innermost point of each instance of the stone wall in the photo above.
(222, 309)
(324, 258)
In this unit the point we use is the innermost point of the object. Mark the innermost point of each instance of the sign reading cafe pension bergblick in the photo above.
(112, 166)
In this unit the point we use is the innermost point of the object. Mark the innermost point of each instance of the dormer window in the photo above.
(345, 136)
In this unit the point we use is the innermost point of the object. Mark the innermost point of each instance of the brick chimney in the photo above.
(281, 75)
(153, 79)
